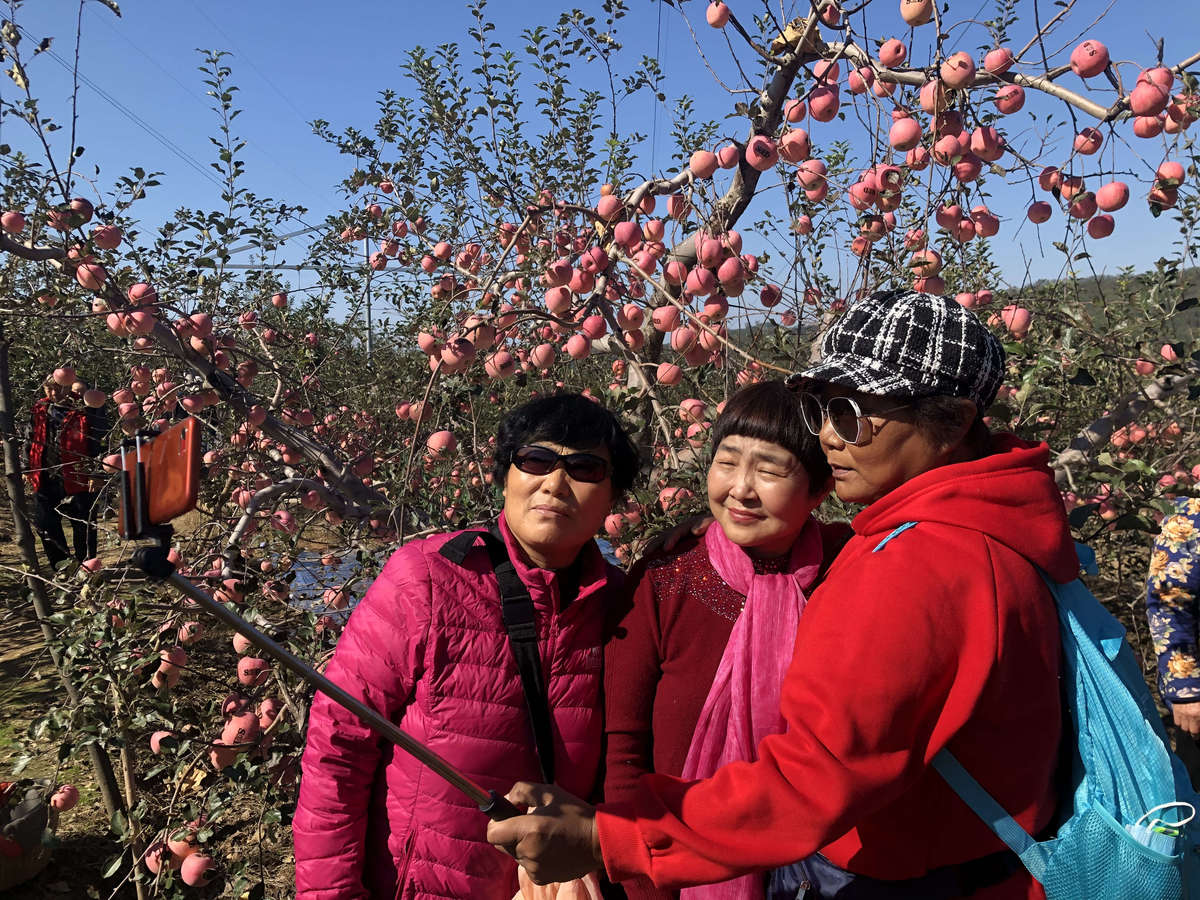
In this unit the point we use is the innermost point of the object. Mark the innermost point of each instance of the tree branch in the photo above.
(1098, 433)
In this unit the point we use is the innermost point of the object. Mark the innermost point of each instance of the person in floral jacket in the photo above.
(1173, 607)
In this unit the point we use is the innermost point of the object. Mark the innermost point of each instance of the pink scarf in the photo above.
(742, 706)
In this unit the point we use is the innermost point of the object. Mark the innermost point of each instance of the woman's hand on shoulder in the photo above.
(667, 542)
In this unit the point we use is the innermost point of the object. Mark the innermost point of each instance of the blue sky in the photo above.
(298, 61)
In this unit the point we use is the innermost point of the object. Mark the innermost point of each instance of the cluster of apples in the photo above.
(66, 376)
(945, 141)
(1108, 499)
(65, 218)
(180, 852)
(572, 263)
(1094, 208)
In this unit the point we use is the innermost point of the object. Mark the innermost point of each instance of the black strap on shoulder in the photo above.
(516, 610)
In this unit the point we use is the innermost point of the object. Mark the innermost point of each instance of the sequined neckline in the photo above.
(692, 571)
(773, 565)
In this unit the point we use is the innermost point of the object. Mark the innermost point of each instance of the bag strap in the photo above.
(517, 613)
(983, 804)
(894, 533)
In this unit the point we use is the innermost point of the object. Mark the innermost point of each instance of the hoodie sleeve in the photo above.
(1172, 596)
(378, 660)
(888, 664)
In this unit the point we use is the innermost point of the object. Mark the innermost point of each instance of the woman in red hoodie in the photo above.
(938, 634)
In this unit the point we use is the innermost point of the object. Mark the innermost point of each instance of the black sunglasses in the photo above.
(844, 414)
(586, 467)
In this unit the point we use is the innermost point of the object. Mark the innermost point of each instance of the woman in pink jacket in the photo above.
(428, 648)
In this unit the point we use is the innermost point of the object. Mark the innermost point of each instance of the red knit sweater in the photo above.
(659, 666)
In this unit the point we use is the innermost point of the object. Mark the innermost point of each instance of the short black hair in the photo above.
(571, 420)
(940, 417)
(770, 411)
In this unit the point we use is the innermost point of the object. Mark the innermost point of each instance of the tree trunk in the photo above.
(106, 779)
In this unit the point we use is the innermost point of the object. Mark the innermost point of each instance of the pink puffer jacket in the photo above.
(426, 647)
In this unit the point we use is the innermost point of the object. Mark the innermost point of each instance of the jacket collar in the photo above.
(594, 572)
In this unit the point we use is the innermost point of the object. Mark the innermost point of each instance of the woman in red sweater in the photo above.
(933, 629)
(692, 673)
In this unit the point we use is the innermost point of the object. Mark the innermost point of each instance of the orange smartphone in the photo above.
(169, 478)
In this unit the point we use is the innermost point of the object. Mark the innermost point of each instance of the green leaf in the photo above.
(113, 865)
(118, 823)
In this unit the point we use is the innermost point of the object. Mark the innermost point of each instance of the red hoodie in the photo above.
(946, 636)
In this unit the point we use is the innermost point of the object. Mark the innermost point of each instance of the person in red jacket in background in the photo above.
(65, 438)
(692, 672)
(922, 636)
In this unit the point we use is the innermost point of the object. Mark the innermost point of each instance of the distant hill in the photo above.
(1094, 288)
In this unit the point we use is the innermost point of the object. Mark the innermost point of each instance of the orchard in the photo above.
(512, 238)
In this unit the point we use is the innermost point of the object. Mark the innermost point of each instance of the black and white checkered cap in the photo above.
(906, 344)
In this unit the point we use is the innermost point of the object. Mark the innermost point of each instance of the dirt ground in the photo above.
(29, 685)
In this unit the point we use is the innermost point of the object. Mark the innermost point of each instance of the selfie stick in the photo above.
(154, 562)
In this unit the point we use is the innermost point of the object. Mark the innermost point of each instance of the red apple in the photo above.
(252, 670)
(916, 12)
(91, 276)
(703, 164)
(1089, 59)
(1112, 196)
(1010, 98)
(892, 52)
(998, 61)
(958, 71)
(12, 222)
(107, 237)
(65, 797)
(197, 870)
(717, 14)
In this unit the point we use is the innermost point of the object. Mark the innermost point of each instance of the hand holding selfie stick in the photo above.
(136, 483)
